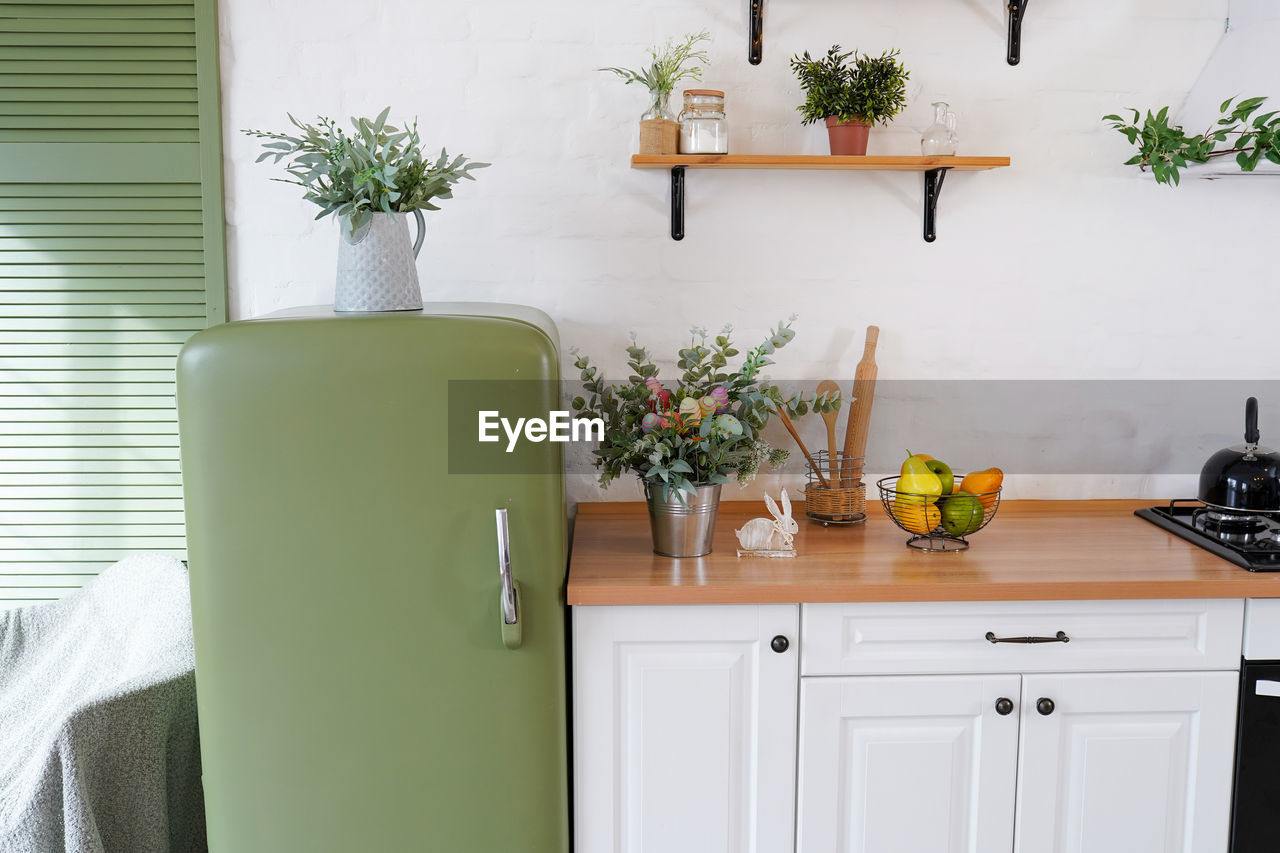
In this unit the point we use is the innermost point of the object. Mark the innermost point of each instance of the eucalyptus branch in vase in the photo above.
(373, 168)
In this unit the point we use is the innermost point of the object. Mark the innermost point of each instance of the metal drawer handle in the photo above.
(1060, 637)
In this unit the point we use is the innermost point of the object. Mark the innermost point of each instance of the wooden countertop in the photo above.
(1032, 550)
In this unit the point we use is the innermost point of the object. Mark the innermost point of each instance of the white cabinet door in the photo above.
(1126, 763)
(685, 729)
(914, 764)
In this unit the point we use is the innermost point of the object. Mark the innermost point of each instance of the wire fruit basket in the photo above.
(938, 523)
(838, 496)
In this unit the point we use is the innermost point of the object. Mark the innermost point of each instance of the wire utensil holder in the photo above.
(839, 495)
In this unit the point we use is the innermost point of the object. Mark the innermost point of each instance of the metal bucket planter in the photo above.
(683, 529)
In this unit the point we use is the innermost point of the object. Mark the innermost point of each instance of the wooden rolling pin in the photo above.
(864, 394)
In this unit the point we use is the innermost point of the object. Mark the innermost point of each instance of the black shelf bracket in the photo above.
(1017, 8)
(932, 189)
(677, 202)
(933, 179)
(755, 40)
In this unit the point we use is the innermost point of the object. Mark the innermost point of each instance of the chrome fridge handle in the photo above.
(510, 601)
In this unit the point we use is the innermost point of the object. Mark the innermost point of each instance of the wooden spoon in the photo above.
(828, 386)
(786, 422)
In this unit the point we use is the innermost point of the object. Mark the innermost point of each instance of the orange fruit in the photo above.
(915, 515)
(983, 484)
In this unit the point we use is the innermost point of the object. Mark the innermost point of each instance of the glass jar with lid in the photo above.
(703, 129)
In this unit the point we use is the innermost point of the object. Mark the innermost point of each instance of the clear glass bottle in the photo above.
(703, 129)
(659, 106)
(939, 137)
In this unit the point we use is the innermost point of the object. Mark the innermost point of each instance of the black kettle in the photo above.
(1244, 478)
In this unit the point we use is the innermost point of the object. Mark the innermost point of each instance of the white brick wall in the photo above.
(1066, 265)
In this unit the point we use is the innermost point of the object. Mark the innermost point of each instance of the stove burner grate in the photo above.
(1250, 540)
(1228, 524)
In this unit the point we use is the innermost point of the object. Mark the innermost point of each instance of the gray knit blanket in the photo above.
(99, 751)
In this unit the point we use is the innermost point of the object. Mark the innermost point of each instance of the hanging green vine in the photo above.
(1166, 148)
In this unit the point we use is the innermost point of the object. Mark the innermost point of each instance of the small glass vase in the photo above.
(659, 107)
(940, 137)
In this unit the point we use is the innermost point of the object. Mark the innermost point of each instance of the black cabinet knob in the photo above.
(780, 644)
(1004, 707)
(1045, 706)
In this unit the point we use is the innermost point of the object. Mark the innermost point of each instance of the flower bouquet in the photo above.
(687, 438)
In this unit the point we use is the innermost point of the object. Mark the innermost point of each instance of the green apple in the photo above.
(962, 513)
(944, 474)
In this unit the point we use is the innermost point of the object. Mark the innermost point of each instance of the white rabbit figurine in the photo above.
(770, 534)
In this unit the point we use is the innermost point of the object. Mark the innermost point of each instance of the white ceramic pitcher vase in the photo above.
(376, 269)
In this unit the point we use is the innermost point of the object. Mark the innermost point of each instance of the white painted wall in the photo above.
(1067, 265)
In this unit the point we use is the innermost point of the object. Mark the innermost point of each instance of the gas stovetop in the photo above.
(1251, 540)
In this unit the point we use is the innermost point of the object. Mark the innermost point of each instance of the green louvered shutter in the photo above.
(111, 255)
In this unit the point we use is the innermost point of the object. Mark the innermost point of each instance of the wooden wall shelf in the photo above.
(934, 169)
(816, 161)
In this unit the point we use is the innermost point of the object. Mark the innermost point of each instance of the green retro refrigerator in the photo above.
(377, 596)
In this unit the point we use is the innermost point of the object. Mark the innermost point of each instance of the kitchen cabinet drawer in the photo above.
(878, 638)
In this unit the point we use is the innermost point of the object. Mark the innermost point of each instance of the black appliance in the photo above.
(1257, 785)
(1251, 540)
(1244, 478)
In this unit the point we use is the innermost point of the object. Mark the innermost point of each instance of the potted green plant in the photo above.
(369, 178)
(688, 438)
(851, 96)
(669, 64)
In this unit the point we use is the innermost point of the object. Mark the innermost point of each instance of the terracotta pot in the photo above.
(848, 137)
